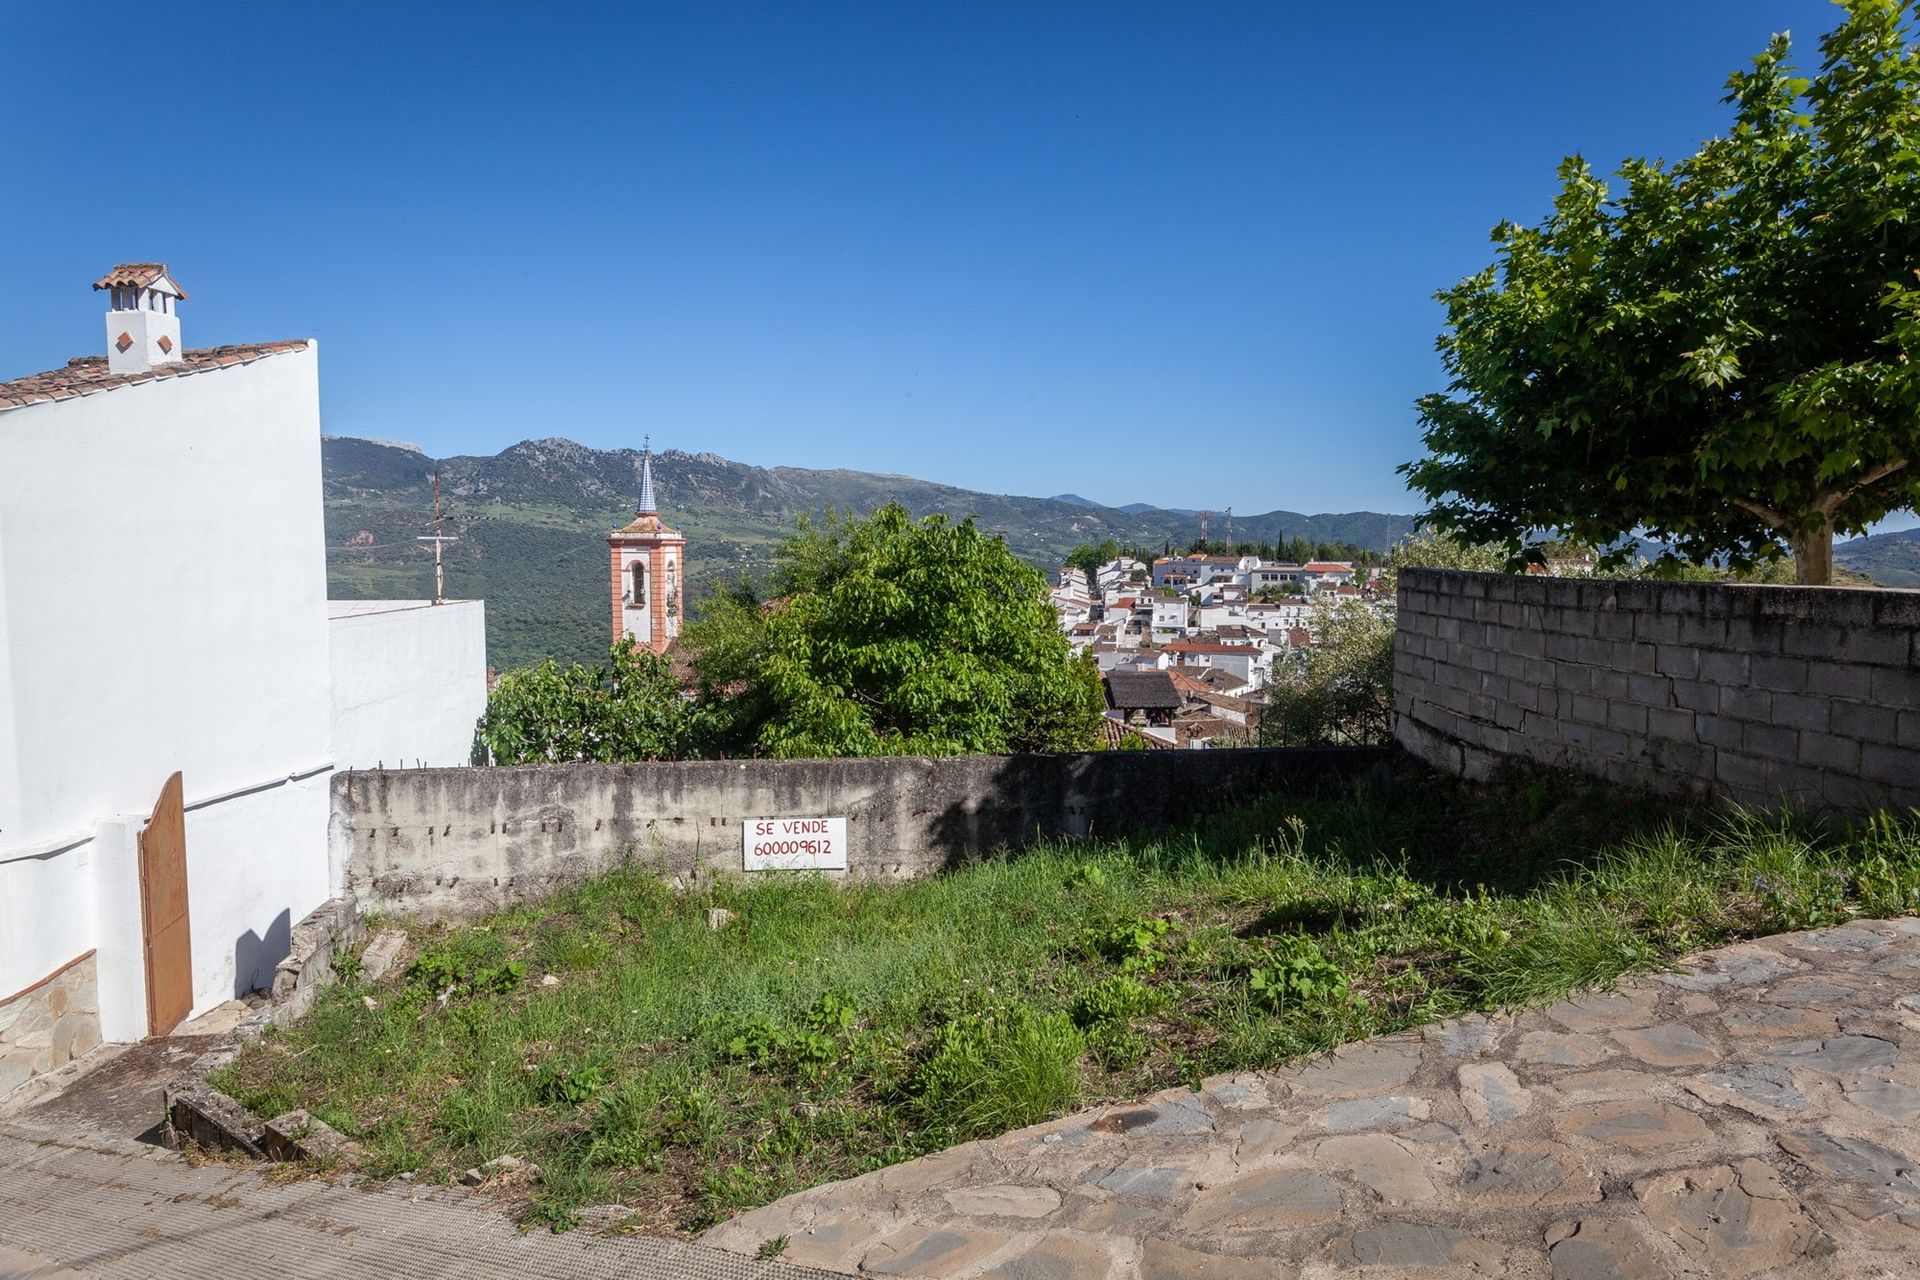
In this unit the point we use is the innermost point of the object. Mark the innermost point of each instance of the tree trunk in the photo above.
(1813, 555)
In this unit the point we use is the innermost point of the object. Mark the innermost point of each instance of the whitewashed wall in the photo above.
(409, 681)
(162, 607)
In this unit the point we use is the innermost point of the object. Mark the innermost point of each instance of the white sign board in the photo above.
(794, 844)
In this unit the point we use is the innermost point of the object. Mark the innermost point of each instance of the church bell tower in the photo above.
(648, 561)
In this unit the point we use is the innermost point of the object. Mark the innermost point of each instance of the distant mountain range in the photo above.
(532, 521)
(1890, 559)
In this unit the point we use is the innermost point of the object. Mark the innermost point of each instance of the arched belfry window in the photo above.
(638, 597)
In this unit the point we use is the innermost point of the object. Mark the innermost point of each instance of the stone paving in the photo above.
(1751, 1115)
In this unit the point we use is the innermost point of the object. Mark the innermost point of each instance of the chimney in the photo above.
(143, 325)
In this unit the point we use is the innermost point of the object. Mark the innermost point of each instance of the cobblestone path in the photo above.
(1753, 1115)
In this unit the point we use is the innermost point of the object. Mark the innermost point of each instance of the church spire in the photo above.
(648, 506)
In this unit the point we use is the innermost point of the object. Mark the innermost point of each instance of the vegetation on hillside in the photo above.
(1719, 354)
(833, 1028)
(876, 635)
(532, 522)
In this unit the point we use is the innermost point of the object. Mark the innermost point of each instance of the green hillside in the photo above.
(1890, 559)
(532, 521)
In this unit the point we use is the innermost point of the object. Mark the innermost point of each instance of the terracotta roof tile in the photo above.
(84, 375)
(137, 275)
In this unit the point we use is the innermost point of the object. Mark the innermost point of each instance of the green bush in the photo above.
(1298, 976)
(988, 1073)
(1136, 943)
(1118, 999)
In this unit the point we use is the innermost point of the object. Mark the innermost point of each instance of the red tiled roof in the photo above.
(1326, 566)
(137, 275)
(1194, 646)
(85, 375)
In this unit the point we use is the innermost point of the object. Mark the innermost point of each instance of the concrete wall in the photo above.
(1755, 694)
(462, 841)
(162, 607)
(409, 681)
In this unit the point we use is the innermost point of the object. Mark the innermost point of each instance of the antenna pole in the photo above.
(439, 575)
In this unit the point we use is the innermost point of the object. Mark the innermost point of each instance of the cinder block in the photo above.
(1755, 635)
(1656, 628)
(1606, 683)
(1812, 640)
(1670, 723)
(1839, 680)
(1707, 633)
(1529, 642)
(1907, 731)
(1650, 691)
(1798, 711)
(1825, 751)
(1589, 709)
(1725, 668)
(1746, 703)
(1895, 688)
(1681, 660)
(1627, 717)
(1594, 652)
(1770, 742)
(1897, 611)
(1743, 773)
(1696, 695)
(1889, 764)
(1863, 721)
(1562, 648)
(1613, 626)
(1717, 731)
(1781, 675)
(1609, 742)
(1678, 757)
(1874, 646)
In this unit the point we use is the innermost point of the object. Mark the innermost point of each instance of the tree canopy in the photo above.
(628, 709)
(1719, 354)
(886, 635)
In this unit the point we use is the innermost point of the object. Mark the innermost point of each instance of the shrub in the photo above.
(1136, 943)
(988, 1073)
(1298, 976)
(1118, 999)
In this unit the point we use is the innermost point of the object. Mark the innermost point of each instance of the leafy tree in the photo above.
(1719, 354)
(889, 635)
(629, 709)
(1342, 691)
(1089, 556)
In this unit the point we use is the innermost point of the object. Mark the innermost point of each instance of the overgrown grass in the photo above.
(689, 1073)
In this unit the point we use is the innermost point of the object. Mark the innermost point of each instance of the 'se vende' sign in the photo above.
(794, 844)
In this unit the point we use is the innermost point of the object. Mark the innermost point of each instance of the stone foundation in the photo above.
(49, 1024)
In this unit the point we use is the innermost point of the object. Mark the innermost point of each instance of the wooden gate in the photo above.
(163, 912)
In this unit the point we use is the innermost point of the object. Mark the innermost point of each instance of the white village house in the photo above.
(175, 689)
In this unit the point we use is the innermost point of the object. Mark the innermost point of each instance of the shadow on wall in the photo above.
(254, 957)
(1020, 799)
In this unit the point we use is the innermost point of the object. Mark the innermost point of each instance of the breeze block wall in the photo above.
(457, 842)
(1760, 695)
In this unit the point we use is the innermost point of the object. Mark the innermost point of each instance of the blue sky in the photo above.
(1178, 253)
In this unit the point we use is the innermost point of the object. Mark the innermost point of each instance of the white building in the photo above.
(1169, 619)
(163, 611)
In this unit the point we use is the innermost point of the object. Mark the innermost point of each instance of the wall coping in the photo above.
(1855, 606)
